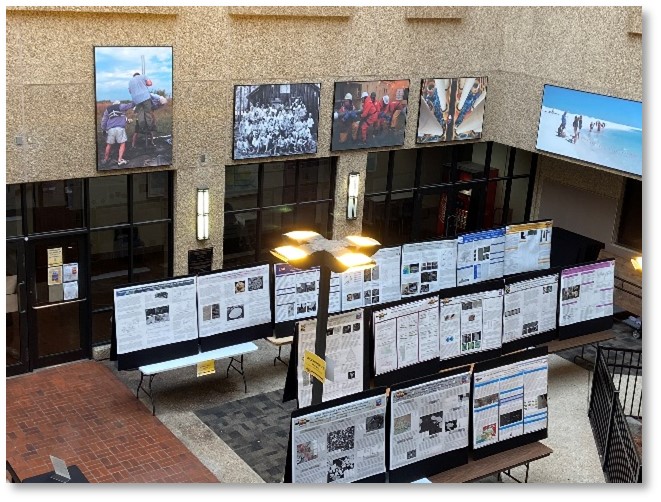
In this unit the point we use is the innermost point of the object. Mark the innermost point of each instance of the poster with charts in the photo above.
(586, 292)
(530, 307)
(428, 267)
(471, 323)
(231, 300)
(297, 292)
(480, 256)
(371, 286)
(155, 314)
(528, 247)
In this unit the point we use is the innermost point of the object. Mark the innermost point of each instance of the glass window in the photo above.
(110, 263)
(314, 217)
(522, 162)
(494, 204)
(150, 251)
(279, 183)
(630, 231)
(239, 238)
(518, 195)
(374, 216)
(403, 175)
(14, 211)
(470, 161)
(55, 205)
(275, 221)
(377, 172)
(108, 201)
(150, 196)
(435, 165)
(399, 219)
(314, 181)
(432, 215)
(101, 327)
(500, 158)
(241, 186)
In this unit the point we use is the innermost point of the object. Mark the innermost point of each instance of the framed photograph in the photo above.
(133, 89)
(275, 120)
(451, 109)
(594, 128)
(370, 114)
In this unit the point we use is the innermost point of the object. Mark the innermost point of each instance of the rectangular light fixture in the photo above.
(352, 196)
(361, 241)
(202, 214)
(355, 261)
(289, 253)
(637, 263)
(302, 235)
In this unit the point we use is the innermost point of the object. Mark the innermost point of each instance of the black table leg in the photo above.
(279, 357)
(239, 370)
(149, 393)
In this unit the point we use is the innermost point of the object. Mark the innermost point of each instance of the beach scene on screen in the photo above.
(593, 128)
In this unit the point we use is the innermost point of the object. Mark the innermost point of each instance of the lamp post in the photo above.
(309, 249)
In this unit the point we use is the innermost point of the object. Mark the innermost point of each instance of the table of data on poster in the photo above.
(586, 292)
(530, 307)
(342, 444)
(155, 314)
(344, 356)
(480, 256)
(528, 247)
(428, 267)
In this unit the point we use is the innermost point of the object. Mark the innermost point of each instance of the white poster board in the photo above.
(379, 284)
(480, 256)
(344, 347)
(405, 334)
(342, 444)
(471, 323)
(528, 247)
(510, 401)
(429, 419)
(428, 267)
(530, 307)
(151, 315)
(297, 292)
(586, 292)
(234, 299)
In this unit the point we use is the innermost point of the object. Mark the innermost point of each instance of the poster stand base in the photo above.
(585, 327)
(529, 341)
(133, 360)
(509, 444)
(476, 357)
(229, 338)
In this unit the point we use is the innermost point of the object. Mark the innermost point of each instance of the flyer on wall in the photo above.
(428, 267)
(586, 292)
(530, 307)
(342, 444)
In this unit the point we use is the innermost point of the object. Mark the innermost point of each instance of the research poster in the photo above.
(528, 247)
(344, 356)
(480, 256)
(297, 292)
(155, 314)
(429, 419)
(471, 323)
(342, 444)
(227, 301)
(586, 292)
(510, 401)
(405, 334)
(428, 267)
(371, 286)
(530, 307)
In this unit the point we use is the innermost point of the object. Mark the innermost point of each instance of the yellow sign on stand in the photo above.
(314, 365)
(206, 368)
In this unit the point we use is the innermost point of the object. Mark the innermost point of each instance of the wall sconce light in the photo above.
(637, 263)
(352, 198)
(202, 214)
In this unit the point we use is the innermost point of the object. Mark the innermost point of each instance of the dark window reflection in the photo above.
(150, 196)
(241, 186)
(110, 263)
(275, 222)
(494, 204)
(150, 252)
(101, 327)
(517, 202)
(239, 238)
(55, 205)
(314, 217)
(314, 180)
(377, 172)
(630, 233)
(108, 201)
(14, 214)
(403, 176)
(374, 217)
(279, 183)
(435, 166)
(399, 226)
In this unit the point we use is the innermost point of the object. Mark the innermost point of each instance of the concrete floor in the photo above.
(180, 393)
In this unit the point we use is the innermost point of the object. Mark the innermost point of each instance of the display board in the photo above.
(480, 256)
(379, 284)
(586, 298)
(405, 334)
(231, 300)
(428, 267)
(510, 401)
(152, 315)
(530, 309)
(345, 345)
(342, 441)
(297, 292)
(528, 247)
(471, 321)
(429, 417)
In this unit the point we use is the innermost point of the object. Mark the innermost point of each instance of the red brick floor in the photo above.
(84, 415)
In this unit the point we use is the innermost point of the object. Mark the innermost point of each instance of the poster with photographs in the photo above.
(369, 114)
(530, 307)
(155, 314)
(342, 444)
(274, 120)
(371, 286)
(133, 106)
(586, 292)
(344, 353)
(528, 246)
(297, 292)
(428, 267)
(232, 300)
(451, 109)
(439, 408)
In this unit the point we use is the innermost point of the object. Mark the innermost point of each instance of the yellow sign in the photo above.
(206, 368)
(314, 365)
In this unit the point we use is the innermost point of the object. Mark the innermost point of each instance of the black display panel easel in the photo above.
(516, 441)
(584, 327)
(539, 338)
(377, 478)
(432, 465)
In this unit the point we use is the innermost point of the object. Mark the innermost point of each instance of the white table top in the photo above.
(285, 340)
(234, 350)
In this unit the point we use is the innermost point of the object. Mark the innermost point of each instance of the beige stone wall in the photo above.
(50, 78)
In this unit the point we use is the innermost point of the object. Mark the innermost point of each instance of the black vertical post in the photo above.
(322, 322)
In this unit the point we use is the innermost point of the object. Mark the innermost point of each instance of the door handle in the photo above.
(19, 296)
(68, 302)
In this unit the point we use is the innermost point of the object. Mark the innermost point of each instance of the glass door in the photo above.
(16, 322)
(57, 300)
